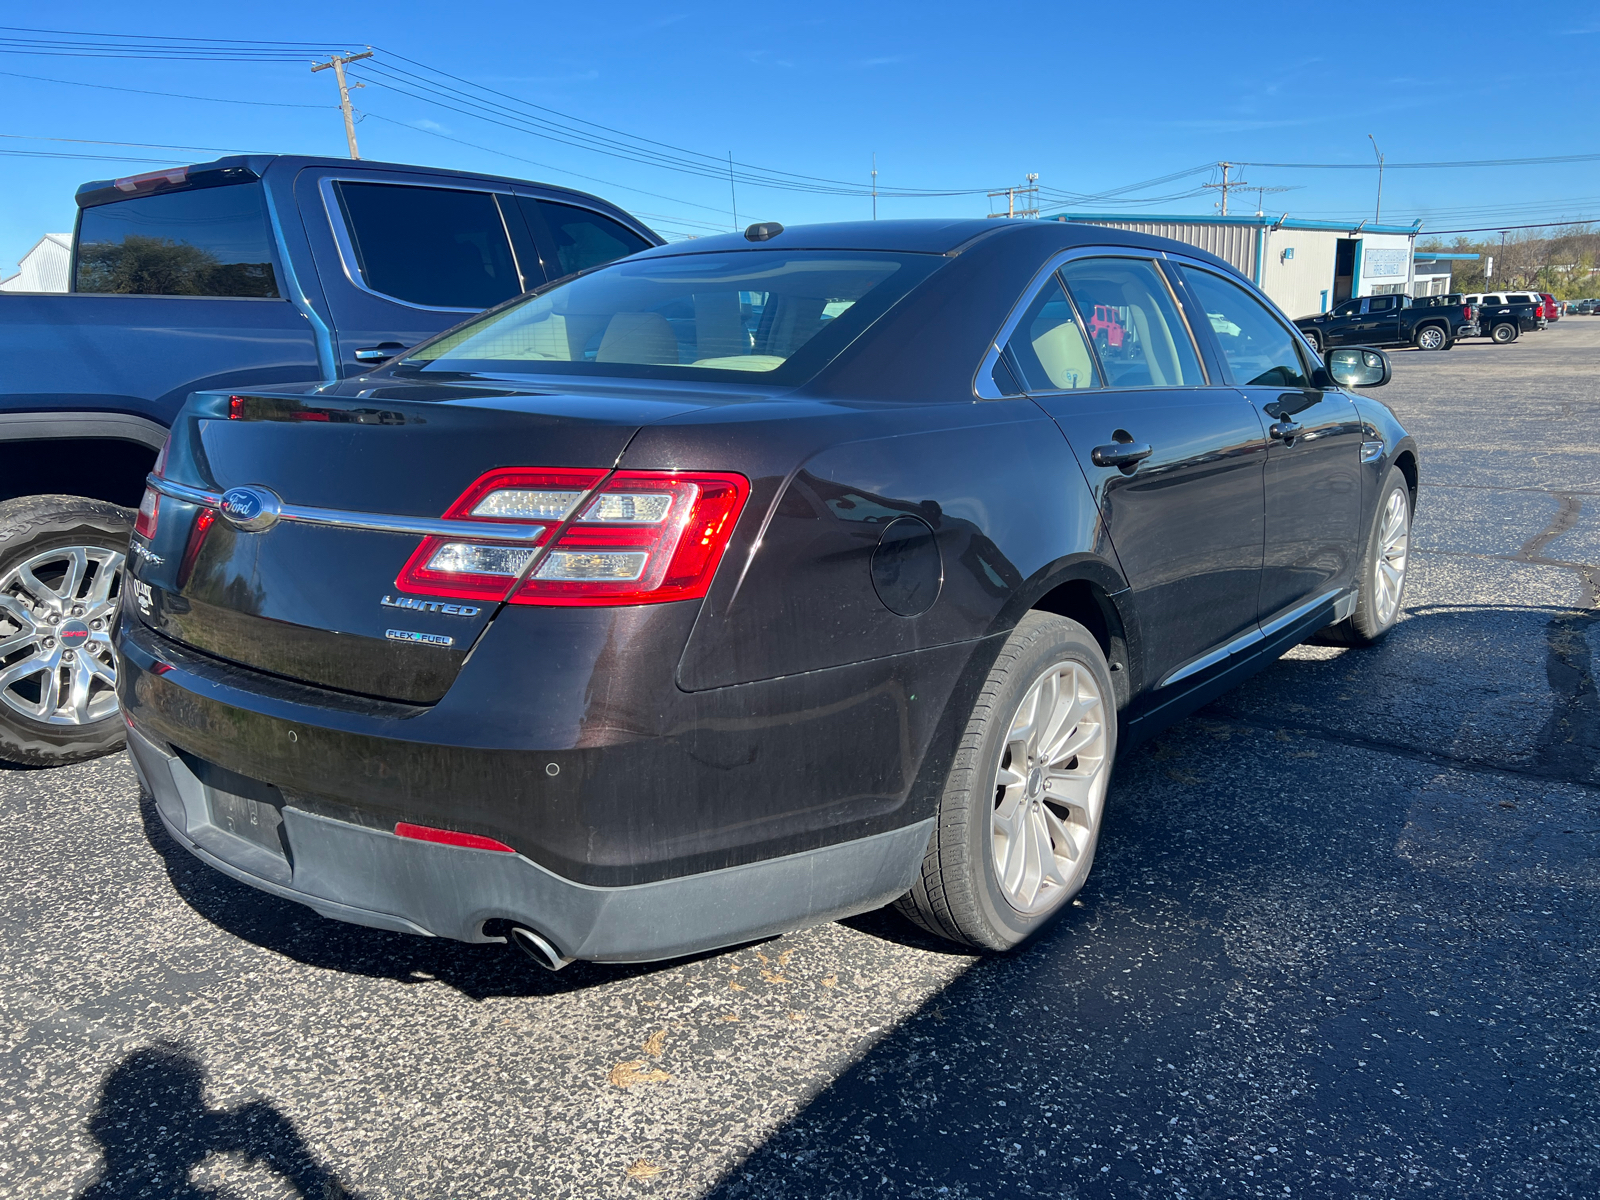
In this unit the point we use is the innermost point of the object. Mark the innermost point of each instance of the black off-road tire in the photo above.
(1369, 624)
(28, 526)
(958, 895)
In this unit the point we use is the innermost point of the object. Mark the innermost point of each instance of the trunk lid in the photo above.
(316, 602)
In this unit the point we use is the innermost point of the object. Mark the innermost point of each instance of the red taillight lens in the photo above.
(149, 509)
(643, 538)
(1466, 312)
(448, 837)
(473, 570)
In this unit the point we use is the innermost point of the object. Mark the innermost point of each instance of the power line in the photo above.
(1502, 228)
(137, 145)
(106, 87)
(1481, 162)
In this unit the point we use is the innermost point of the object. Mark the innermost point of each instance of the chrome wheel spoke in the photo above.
(1389, 569)
(1054, 763)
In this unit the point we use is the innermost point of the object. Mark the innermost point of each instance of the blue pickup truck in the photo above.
(240, 273)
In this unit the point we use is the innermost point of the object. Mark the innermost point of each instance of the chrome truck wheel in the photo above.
(60, 583)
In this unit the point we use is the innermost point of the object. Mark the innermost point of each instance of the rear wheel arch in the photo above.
(1090, 603)
(111, 470)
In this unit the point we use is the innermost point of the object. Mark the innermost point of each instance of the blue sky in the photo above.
(950, 96)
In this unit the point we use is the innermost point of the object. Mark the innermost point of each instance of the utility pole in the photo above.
(1030, 194)
(337, 62)
(1377, 213)
(1226, 184)
(874, 185)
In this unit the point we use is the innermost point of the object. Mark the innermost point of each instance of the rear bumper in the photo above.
(367, 876)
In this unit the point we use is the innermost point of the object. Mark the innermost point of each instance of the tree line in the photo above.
(1559, 261)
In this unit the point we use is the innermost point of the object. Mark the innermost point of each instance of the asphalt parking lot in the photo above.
(1341, 941)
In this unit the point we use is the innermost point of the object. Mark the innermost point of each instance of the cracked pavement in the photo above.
(1340, 940)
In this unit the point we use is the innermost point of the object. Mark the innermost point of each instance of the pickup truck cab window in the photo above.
(1383, 303)
(576, 237)
(437, 247)
(1258, 349)
(1348, 309)
(1048, 347)
(1134, 324)
(212, 241)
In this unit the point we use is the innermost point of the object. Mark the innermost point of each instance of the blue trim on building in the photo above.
(1264, 222)
(1428, 256)
(1355, 269)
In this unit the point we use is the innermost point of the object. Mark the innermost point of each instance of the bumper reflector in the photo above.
(448, 837)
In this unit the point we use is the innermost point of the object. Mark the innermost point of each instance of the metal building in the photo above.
(44, 268)
(1305, 266)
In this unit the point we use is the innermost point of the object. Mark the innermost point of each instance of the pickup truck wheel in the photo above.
(1383, 569)
(1504, 333)
(60, 573)
(1020, 815)
(1315, 339)
(1432, 337)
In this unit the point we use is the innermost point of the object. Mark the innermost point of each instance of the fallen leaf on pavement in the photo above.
(643, 1170)
(656, 1043)
(626, 1074)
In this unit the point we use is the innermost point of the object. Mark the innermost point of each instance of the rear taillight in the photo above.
(150, 505)
(149, 509)
(643, 538)
(1466, 312)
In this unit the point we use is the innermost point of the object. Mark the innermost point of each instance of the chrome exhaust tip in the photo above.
(538, 948)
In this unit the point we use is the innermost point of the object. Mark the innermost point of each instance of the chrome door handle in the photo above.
(380, 352)
(1284, 431)
(1120, 454)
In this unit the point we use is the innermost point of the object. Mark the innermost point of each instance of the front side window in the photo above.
(580, 239)
(1048, 347)
(1348, 309)
(436, 247)
(1133, 323)
(1259, 351)
(202, 242)
(776, 314)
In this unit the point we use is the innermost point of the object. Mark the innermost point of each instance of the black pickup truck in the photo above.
(1390, 321)
(245, 272)
(1508, 319)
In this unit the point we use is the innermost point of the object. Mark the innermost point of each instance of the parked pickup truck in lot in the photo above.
(1504, 318)
(246, 272)
(1390, 321)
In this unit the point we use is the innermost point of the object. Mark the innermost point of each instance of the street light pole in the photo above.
(1377, 213)
(337, 62)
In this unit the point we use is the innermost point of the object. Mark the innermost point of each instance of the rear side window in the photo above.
(1133, 323)
(436, 247)
(579, 239)
(204, 242)
(1259, 351)
(1048, 347)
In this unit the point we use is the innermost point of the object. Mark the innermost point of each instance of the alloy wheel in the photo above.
(1431, 338)
(1049, 789)
(1394, 542)
(56, 612)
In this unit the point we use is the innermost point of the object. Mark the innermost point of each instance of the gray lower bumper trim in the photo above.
(369, 877)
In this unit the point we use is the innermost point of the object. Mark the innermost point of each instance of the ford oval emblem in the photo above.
(250, 508)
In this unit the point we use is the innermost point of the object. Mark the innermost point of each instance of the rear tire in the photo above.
(60, 572)
(1504, 334)
(1432, 337)
(1020, 816)
(1383, 569)
(1316, 342)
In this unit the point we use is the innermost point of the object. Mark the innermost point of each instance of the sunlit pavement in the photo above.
(1341, 940)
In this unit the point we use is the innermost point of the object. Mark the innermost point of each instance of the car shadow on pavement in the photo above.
(1306, 962)
(298, 933)
(154, 1129)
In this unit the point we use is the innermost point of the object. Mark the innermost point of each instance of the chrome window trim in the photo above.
(983, 382)
(347, 248)
(373, 522)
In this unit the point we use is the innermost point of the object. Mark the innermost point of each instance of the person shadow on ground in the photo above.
(154, 1129)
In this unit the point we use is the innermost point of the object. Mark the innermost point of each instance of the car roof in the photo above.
(935, 236)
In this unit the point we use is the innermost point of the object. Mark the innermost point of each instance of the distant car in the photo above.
(1552, 309)
(1582, 307)
(625, 622)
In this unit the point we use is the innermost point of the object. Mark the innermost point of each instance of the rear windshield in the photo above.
(202, 242)
(773, 315)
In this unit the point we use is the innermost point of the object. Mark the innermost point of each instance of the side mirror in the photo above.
(1358, 367)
